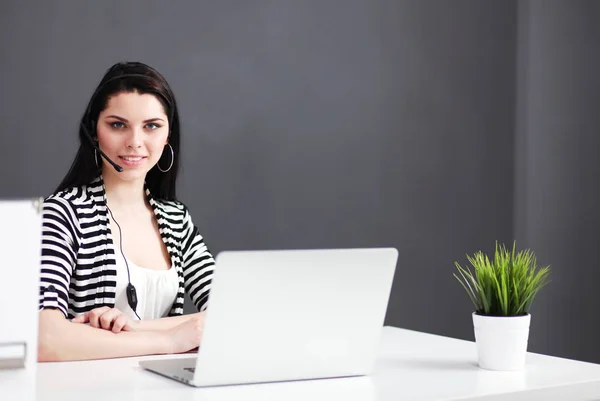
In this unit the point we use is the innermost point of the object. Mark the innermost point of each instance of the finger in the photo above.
(83, 318)
(108, 317)
(130, 326)
(197, 327)
(198, 322)
(95, 314)
(119, 323)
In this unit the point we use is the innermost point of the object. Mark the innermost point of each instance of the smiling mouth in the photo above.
(132, 159)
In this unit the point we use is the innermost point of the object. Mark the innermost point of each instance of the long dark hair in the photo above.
(127, 77)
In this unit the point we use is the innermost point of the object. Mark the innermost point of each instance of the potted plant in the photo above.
(502, 291)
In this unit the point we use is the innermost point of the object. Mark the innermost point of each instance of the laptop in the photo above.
(285, 315)
(20, 249)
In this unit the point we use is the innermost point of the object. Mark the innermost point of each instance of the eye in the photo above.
(153, 126)
(117, 125)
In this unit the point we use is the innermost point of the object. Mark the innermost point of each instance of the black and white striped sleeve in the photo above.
(198, 264)
(59, 253)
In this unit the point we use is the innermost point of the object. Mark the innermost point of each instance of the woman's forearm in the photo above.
(165, 323)
(61, 340)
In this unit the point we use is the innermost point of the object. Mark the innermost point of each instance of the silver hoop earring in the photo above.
(172, 159)
(96, 158)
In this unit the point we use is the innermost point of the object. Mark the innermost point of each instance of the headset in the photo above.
(132, 299)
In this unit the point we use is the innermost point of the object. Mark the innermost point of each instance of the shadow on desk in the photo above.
(431, 364)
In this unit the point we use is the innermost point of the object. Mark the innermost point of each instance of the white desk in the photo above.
(410, 366)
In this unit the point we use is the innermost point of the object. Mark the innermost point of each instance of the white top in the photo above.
(156, 290)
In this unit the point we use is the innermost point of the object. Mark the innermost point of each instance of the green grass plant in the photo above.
(505, 285)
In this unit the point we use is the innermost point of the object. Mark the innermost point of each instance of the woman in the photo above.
(118, 250)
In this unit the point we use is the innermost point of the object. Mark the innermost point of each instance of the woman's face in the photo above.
(132, 130)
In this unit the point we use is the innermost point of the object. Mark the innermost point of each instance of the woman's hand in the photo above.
(185, 336)
(108, 319)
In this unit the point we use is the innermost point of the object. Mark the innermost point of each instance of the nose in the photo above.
(134, 140)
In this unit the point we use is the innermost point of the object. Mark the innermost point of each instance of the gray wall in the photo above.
(306, 124)
(558, 168)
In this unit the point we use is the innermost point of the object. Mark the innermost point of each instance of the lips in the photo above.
(132, 159)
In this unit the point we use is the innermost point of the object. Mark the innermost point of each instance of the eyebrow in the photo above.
(125, 120)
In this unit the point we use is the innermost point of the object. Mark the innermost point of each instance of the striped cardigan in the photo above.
(78, 269)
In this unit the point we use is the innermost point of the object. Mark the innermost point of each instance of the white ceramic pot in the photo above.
(501, 341)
